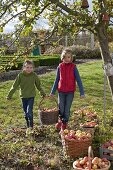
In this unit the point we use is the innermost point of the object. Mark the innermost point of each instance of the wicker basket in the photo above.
(90, 155)
(48, 117)
(74, 148)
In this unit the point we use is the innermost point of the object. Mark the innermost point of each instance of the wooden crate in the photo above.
(105, 153)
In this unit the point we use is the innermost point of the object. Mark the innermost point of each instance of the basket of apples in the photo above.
(87, 113)
(75, 143)
(91, 163)
(48, 116)
(89, 126)
(106, 150)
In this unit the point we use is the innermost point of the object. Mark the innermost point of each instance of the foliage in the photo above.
(53, 57)
(63, 17)
(42, 60)
(54, 50)
(79, 51)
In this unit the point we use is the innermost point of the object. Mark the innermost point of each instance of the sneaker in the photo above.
(31, 130)
(58, 124)
(28, 131)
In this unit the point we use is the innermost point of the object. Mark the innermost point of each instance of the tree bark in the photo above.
(103, 40)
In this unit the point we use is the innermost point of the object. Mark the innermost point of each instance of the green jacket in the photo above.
(27, 83)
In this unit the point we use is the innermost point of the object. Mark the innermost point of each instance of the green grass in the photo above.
(47, 143)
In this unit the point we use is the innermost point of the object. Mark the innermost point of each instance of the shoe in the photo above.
(28, 132)
(64, 126)
(31, 130)
(58, 124)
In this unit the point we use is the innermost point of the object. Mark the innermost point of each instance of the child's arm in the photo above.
(55, 85)
(13, 88)
(79, 82)
(38, 86)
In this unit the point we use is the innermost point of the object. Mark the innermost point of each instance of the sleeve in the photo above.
(38, 86)
(79, 82)
(55, 85)
(14, 87)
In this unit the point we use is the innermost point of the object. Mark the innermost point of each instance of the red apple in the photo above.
(77, 163)
(85, 159)
(82, 162)
(95, 160)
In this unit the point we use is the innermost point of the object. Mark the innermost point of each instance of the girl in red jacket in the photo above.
(66, 78)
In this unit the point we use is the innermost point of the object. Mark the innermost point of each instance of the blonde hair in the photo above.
(66, 51)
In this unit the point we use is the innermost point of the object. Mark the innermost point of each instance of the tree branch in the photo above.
(7, 7)
(64, 7)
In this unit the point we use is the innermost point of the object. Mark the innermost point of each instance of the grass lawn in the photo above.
(17, 151)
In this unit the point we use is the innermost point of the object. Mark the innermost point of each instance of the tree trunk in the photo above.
(103, 40)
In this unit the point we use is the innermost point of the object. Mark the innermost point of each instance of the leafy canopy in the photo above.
(62, 15)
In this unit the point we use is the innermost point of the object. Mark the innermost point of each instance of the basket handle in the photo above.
(90, 155)
(45, 98)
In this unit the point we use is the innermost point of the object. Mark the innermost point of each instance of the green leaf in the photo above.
(1, 29)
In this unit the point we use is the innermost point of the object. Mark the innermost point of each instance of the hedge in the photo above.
(79, 52)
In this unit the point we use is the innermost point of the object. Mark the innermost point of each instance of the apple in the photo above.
(73, 136)
(111, 141)
(66, 131)
(94, 166)
(79, 134)
(110, 148)
(78, 131)
(68, 137)
(72, 131)
(107, 144)
(104, 159)
(95, 160)
(103, 164)
(82, 162)
(88, 135)
(77, 163)
(85, 159)
(83, 133)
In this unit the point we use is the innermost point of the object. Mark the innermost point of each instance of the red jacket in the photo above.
(67, 81)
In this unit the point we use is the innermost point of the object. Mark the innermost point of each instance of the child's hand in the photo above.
(82, 96)
(51, 95)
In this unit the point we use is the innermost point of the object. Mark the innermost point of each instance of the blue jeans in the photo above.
(28, 110)
(65, 101)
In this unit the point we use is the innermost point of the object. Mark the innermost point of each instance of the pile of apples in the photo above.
(89, 124)
(49, 110)
(76, 135)
(108, 145)
(96, 163)
(87, 112)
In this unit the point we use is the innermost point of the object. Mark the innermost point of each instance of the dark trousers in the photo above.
(27, 104)
(65, 101)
